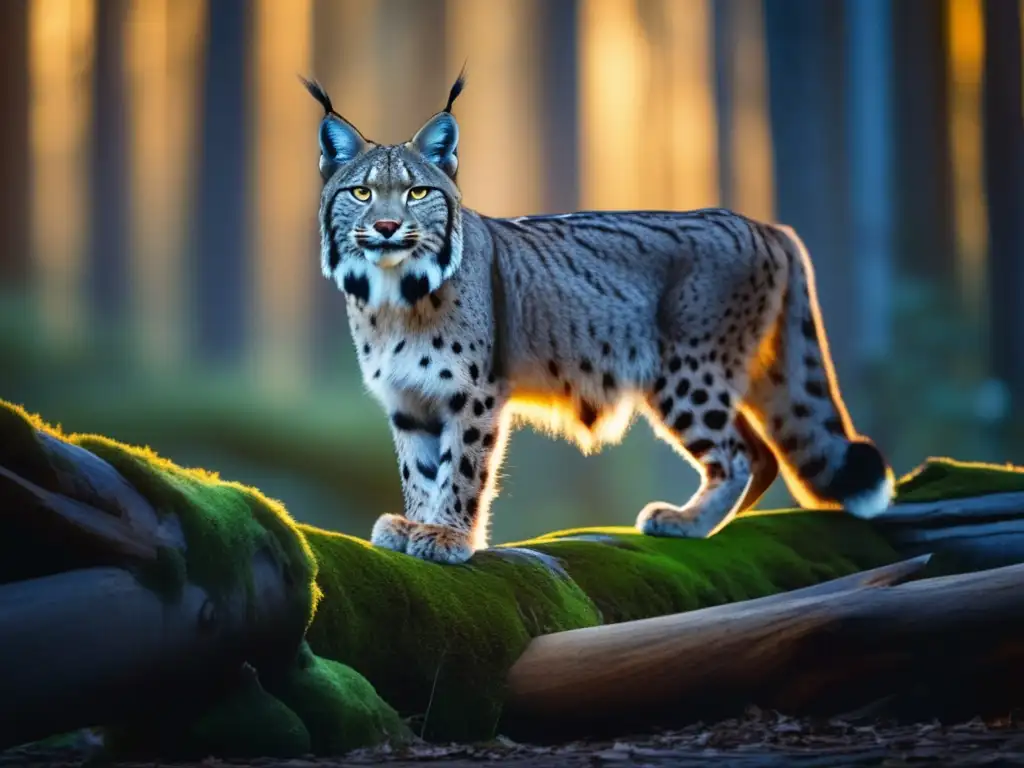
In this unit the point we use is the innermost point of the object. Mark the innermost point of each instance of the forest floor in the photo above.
(758, 739)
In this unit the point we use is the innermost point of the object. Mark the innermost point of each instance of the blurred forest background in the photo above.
(159, 190)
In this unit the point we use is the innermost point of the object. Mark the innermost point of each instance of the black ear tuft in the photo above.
(317, 92)
(340, 141)
(453, 94)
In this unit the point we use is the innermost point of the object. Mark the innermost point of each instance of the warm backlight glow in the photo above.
(286, 185)
(499, 118)
(163, 65)
(613, 78)
(556, 416)
(345, 36)
(685, 83)
(648, 122)
(750, 141)
(60, 104)
(966, 38)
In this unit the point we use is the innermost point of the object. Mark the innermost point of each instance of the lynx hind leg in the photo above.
(692, 406)
(796, 400)
(764, 465)
(824, 462)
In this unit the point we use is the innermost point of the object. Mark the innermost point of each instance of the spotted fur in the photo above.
(706, 322)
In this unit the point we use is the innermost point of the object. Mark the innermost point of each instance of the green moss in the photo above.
(433, 639)
(437, 641)
(941, 478)
(339, 707)
(20, 451)
(224, 523)
(632, 576)
(248, 722)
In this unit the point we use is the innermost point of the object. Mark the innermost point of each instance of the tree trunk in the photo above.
(101, 624)
(14, 159)
(921, 170)
(560, 116)
(221, 269)
(806, 75)
(1004, 183)
(108, 251)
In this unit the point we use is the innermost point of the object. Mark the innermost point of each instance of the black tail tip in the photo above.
(864, 483)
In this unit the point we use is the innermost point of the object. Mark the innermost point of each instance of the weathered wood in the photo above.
(884, 576)
(979, 532)
(59, 514)
(94, 646)
(958, 637)
(971, 508)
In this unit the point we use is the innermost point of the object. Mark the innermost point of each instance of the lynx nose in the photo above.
(386, 227)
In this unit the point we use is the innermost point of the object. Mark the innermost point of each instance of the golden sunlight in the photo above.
(284, 247)
(500, 120)
(750, 140)
(612, 78)
(61, 40)
(966, 38)
(346, 61)
(648, 118)
(164, 58)
(686, 84)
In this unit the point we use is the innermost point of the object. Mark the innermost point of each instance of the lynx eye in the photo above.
(418, 193)
(362, 194)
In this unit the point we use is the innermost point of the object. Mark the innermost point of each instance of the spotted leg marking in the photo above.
(417, 444)
(693, 408)
(470, 442)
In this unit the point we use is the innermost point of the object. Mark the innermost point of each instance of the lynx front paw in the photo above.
(391, 532)
(439, 544)
(661, 519)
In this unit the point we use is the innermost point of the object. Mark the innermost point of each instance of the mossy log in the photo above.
(115, 604)
(435, 643)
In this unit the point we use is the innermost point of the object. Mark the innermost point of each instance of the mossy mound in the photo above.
(437, 641)
(316, 707)
(224, 523)
(339, 707)
(942, 478)
(247, 722)
(424, 634)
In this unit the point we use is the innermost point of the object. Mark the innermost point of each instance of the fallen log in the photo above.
(954, 642)
(93, 647)
(121, 626)
(114, 555)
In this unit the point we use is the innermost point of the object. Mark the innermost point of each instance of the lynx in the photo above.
(706, 322)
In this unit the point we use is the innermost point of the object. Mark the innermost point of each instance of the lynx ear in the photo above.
(340, 142)
(438, 142)
(438, 139)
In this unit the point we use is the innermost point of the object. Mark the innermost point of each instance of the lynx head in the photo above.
(390, 216)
